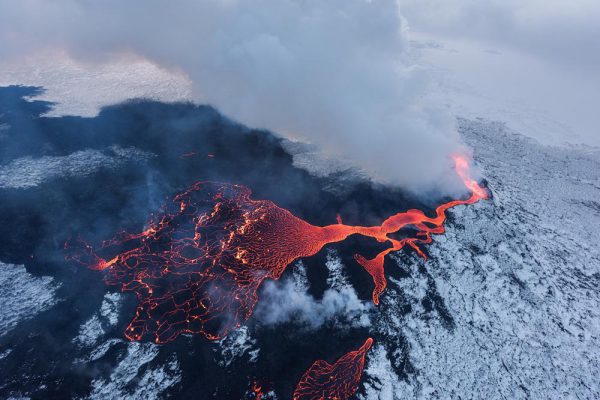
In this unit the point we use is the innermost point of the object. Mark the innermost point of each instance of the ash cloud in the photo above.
(338, 74)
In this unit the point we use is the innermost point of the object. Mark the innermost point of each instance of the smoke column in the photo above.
(337, 73)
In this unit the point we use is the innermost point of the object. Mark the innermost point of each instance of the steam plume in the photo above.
(335, 73)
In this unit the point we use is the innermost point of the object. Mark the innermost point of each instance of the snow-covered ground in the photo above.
(94, 328)
(537, 97)
(80, 88)
(518, 277)
(28, 172)
(132, 377)
(23, 295)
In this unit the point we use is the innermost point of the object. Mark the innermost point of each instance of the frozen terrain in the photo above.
(28, 172)
(23, 295)
(83, 88)
(508, 305)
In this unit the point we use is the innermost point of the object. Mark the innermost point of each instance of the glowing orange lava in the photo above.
(188, 155)
(199, 264)
(333, 381)
(257, 391)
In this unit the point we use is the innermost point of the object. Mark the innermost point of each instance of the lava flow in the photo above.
(199, 264)
(257, 391)
(335, 381)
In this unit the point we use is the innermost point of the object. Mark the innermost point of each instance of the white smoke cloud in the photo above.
(336, 73)
(285, 302)
(289, 300)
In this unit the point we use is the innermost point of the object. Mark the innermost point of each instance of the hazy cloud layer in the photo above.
(335, 73)
(531, 63)
(565, 31)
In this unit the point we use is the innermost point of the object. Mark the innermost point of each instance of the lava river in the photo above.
(200, 262)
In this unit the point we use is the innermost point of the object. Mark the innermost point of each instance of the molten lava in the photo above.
(333, 381)
(198, 266)
(257, 391)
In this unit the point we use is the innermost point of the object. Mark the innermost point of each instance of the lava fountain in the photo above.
(200, 262)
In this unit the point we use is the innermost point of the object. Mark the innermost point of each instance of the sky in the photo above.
(378, 83)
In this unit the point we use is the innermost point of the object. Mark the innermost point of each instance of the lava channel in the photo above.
(337, 381)
(198, 265)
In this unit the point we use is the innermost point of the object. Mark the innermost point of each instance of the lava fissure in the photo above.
(198, 266)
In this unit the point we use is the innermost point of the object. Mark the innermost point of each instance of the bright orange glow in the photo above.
(257, 391)
(198, 266)
(339, 380)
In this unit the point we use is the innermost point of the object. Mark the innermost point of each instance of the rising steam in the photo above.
(336, 73)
